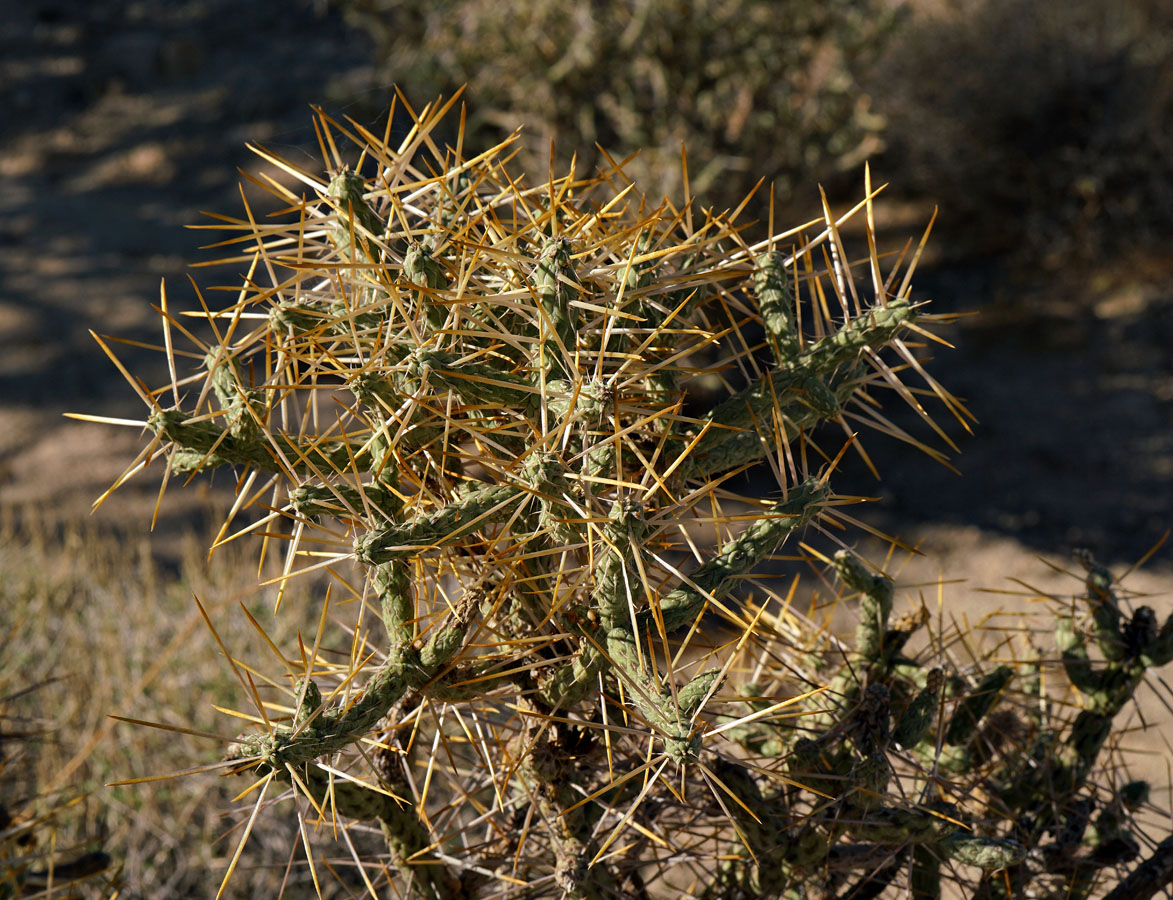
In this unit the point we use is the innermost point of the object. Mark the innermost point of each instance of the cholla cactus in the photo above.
(479, 407)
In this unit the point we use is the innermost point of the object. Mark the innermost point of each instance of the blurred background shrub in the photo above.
(753, 89)
(1044, 130)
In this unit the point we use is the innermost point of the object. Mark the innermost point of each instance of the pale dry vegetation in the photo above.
(94, 628)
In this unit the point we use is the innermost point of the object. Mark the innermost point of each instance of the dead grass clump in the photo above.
(95, 629)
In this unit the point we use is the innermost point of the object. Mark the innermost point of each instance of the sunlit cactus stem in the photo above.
(477, 507)
(421, 269)
(356, 225)
(715, 578)
(557, 285)
(408, 665)
(201, 444)
(772, 289)
(741, 429)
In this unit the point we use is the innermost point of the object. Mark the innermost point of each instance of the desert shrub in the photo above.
(755, 90)
(547, 663)
(1043, 129)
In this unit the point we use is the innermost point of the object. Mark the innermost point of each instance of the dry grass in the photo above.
(99, 629)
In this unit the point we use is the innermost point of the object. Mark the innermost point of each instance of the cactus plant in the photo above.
(507, 423)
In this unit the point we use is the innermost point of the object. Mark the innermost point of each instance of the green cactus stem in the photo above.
(741, 430)
(772, 289)
(483, 504)
(875, 604)
(201, 444)
(716, 577)
(356, 224)
(420, 269)
(973, 708)
(557, 285)
(405, 667)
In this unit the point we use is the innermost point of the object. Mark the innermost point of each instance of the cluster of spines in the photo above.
(478, 394)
